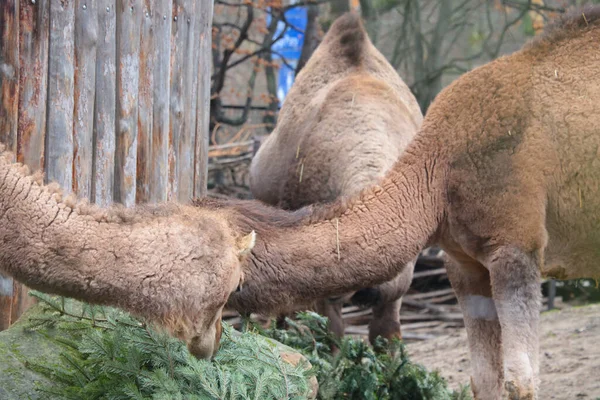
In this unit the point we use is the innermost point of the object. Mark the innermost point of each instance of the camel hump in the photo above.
(347, 37)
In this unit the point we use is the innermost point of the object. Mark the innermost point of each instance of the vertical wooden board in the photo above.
(9, 73)
(159, 167)
(9, 101)
(86, 37)
(59, 127)
(181, 151)
(6, 299)
(34, 33)
(194, 83)
(129, 14)
(21, 301)
(205, 14)
(145, 103)
(186, 142)
(104, 118)
(178, 32)
(34, 29)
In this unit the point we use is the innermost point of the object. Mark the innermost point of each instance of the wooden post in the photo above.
(59, 140)
(86, 39)
(205, 15)
(104, 118)
(9, 105)
(33, 86)
(129, 19)
(103, 95)
(181, 177)
(551, 293)
(145, 104)
(159, 167)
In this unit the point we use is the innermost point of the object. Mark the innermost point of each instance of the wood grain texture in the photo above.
(9, 73)
(159, 167)
(110, 97)
(104, 118)
(187, 140)
(145, 103)
(9, 104)
(181, 159)
(176, 124)
(34, 38)
(205, 15)
(129, 19)
(59, 126)
(86, 39)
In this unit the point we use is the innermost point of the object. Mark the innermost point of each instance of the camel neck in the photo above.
(344, 247)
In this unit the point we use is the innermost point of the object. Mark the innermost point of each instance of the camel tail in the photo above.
(347, 37)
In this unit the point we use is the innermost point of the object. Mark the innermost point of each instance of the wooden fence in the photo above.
(110, 98)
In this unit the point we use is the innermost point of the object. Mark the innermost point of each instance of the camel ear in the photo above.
(246, 243)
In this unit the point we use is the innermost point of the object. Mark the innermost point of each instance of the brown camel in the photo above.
(504, 175)
(345, 122)
(175, 265)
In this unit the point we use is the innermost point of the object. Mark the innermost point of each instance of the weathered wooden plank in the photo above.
(33, 58)
(59, 131)
(104, 118)
(6, 298)
(86, 37)
(159, 168)
(9, 73)
(34, 34)
(21, 301)
(204, 11)
(194, 57)
(175, 96)
(9, 105)
(145, 103)
(129, 14)
(181, 151)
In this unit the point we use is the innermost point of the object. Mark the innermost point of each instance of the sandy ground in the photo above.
(570, 354)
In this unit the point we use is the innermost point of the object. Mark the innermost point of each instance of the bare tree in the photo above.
(429, 40)
(243, 40)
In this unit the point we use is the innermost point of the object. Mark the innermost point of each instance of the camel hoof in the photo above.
(517, 393)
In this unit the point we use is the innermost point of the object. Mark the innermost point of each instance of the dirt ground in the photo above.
(570, 354)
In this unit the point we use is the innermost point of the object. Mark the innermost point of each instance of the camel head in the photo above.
(173, 265)
(201, 328)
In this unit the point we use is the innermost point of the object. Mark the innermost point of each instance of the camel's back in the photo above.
(344, 123)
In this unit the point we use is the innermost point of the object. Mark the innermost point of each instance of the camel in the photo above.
(175, 265)
(345, 122)
(503, 175)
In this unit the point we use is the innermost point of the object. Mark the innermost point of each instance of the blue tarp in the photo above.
(289, 47)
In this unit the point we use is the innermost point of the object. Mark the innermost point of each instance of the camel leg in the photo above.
(333, 311)
(517, 295)
(386, 321)
(386, 300)
(471, 283)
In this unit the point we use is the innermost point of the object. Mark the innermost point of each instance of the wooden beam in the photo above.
(205, 15)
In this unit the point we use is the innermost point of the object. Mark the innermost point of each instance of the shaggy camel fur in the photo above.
(345, 122)
(504, 175)
(175, 265)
